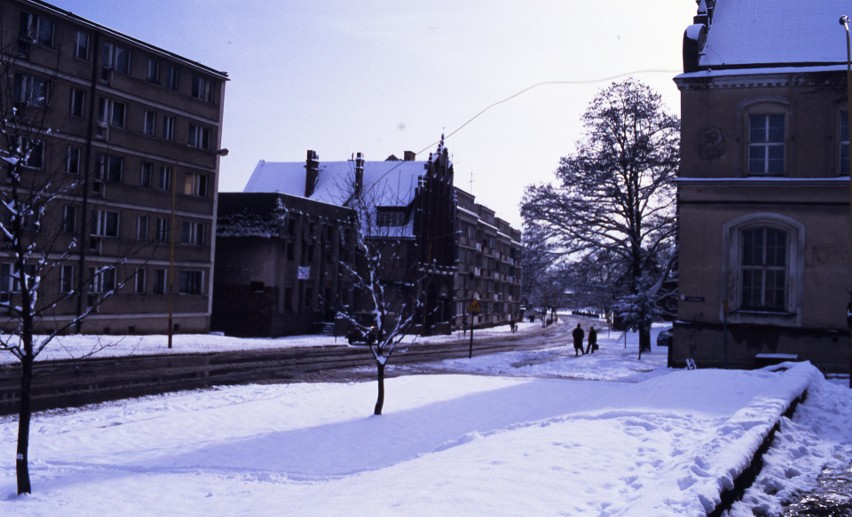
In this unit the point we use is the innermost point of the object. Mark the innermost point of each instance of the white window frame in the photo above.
(143, 222)
(103, 279)
(83, 46)
(732, 269)
(105, 223)
(67, 278)
(149, 124)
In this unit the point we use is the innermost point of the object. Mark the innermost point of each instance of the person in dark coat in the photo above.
(593, 340)
(578, 336)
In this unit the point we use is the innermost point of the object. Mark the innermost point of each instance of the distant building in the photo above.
(465, 251)
(763, 192)
(137, 128)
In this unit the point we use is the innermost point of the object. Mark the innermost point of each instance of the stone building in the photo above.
(763, 192)
(278, 264)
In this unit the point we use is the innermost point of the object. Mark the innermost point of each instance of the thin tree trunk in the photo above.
(22, 468)
(380, 401)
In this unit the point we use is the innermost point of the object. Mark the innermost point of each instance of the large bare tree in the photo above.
(612, 207)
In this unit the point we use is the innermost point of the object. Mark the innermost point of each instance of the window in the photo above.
(169, 128)
(32, 153)
(202, 88)
(81, 45)
(104, 223)
(142, 228)
(190, 282)
(154, 70)
(196, 184)
(69, 219)
(139, 281)
(766, 144)
(66, 279)
(192, 233)
(30, 90)
(844, 143)
(72, 160)
(764, 269)
(103, 279)
(390, 217)
(78, 103)
(114, 58)
(171, 77)
(111, 112)
(164, 179)
(150, 127)
(110, 167)
(199, 136)
(160, 281)
(162, 229)
(146, 172)
(36, 29)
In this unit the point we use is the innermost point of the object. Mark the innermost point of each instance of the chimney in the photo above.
(359, 173)
(409, 156)
(311, 172)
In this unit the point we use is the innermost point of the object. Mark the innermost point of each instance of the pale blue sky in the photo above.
(385, 76)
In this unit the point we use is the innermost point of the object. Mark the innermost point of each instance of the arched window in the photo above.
(764, 267)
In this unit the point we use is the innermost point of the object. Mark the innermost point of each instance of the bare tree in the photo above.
(44, 291)
(385, 285)
(612, 213)
(403, 252)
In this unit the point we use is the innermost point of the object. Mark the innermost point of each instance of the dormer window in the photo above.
(390, 217)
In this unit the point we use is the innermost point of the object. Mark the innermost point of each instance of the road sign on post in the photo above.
(473, 308)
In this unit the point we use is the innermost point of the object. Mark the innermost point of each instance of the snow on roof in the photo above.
(386, 183)
(776, 32)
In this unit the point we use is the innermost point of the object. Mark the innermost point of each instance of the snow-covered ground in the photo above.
(520, 433)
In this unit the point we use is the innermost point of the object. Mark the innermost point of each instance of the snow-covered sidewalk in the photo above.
(521, 437)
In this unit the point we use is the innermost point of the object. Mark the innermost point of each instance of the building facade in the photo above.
(459, 247)
(131, 133)
(763, 192)
(279, 264)
(489, 265)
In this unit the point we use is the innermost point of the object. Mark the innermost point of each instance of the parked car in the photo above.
(664, 338)
(364, 332)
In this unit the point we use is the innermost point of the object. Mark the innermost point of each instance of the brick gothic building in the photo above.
(137, 129)
(763, 192)
(460, 246)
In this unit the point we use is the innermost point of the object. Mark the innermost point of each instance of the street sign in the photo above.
(473, 308)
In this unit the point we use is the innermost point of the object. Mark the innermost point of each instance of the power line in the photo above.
(546, 83)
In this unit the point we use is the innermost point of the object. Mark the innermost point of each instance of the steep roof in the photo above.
(774, 33)
(386, 183)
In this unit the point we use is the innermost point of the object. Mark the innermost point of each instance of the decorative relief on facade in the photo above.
(712, 143)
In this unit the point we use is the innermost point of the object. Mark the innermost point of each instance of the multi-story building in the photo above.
(489, 264)
(465, 252)
(763, 192)
(131, 133)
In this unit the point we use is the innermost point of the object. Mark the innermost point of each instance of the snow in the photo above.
(755, 32)
(387, 183)
(522, 433)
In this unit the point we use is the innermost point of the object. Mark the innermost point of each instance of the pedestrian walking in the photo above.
(578, 336)
(593, 340)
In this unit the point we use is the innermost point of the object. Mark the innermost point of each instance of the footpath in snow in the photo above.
(520, 433)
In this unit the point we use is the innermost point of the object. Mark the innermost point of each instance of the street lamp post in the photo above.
(172, 231)
(844, 20)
